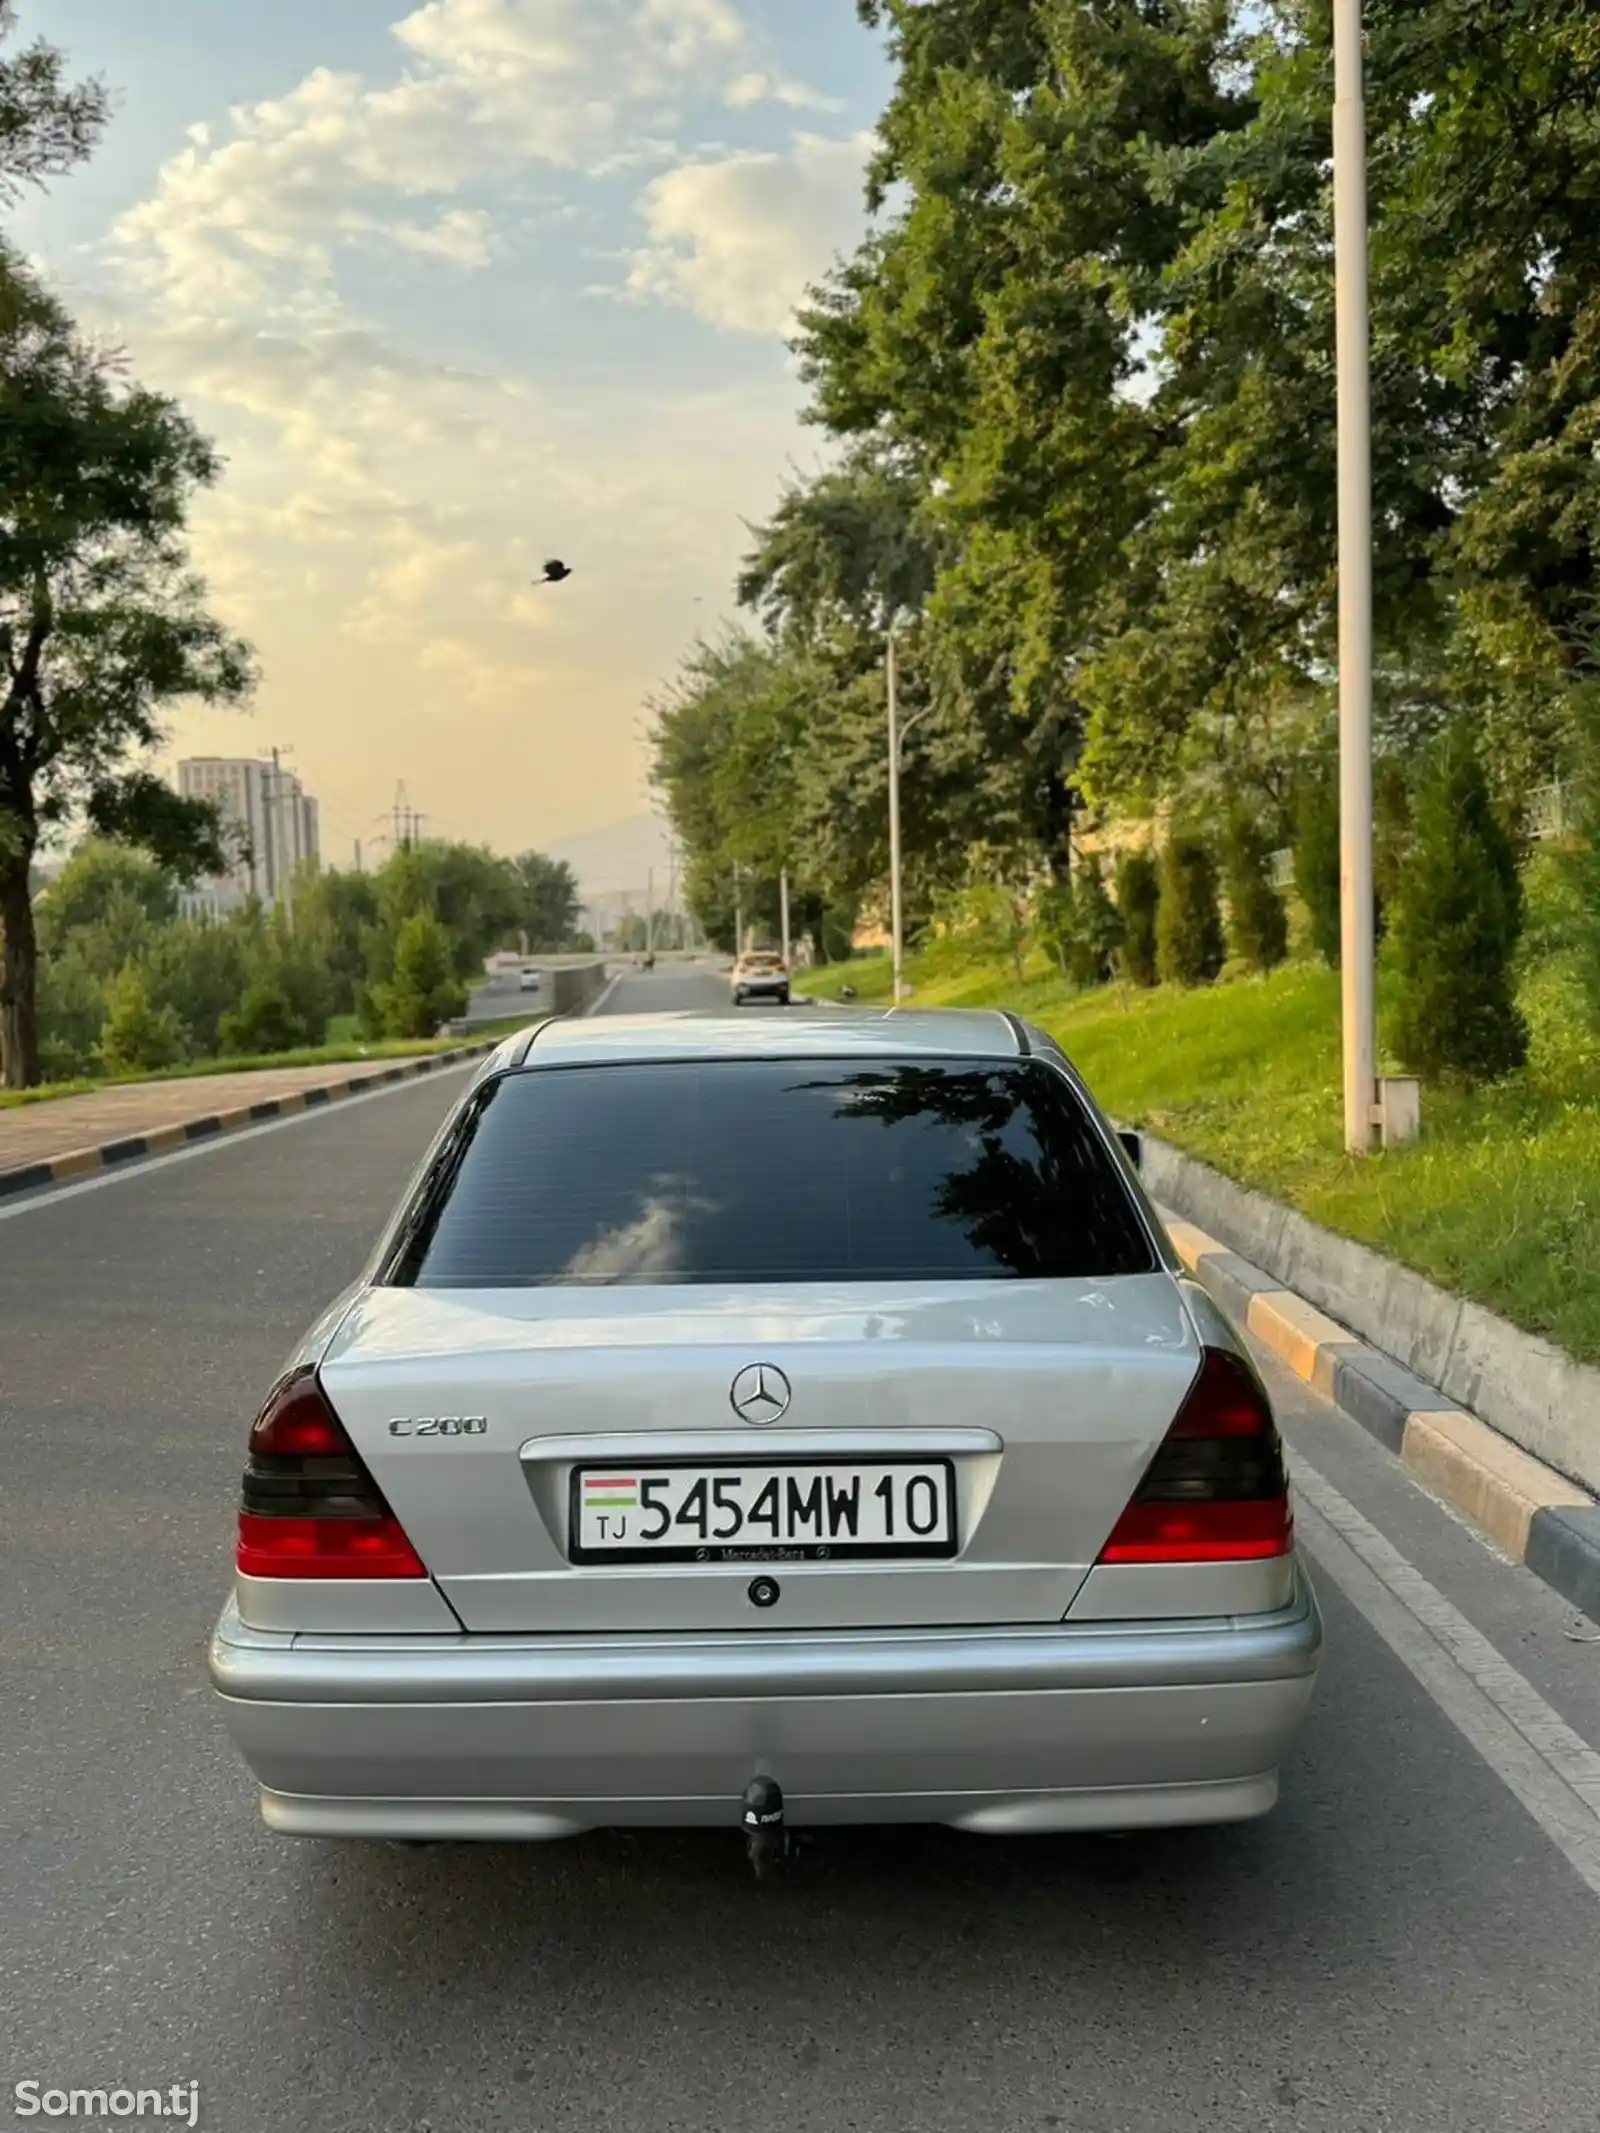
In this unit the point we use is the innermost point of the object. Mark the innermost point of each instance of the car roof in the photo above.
(804, 1033)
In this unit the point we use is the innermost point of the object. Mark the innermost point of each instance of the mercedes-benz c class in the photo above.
(768, 1424)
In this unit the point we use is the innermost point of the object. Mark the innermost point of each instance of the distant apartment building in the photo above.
(271, 822)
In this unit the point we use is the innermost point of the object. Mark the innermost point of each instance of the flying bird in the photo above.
(554, 573)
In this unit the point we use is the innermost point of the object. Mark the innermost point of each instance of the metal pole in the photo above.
(783, 898)
(649, 910)
(896, 904)
(1358, 950)
(738, 910)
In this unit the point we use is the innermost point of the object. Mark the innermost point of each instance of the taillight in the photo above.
(1216, 1491)
(309, 1508)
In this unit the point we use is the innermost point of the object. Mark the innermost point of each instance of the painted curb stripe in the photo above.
(79, 1162)
(1536, 1516)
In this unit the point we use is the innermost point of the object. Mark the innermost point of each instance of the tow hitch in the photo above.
(771, 1846)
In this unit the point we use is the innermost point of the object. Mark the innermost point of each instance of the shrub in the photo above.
(1457, 921)
(1053, 916)
(424, 992)
(72, 1014)
(1258, 925)
(1189, 946)
(264, 1021)
(1096, 928)
(1138, 902)
(1316, 855)
(138, 1036)
(202, 973)
(1583, 864)
(1391, 833)
(984, 923)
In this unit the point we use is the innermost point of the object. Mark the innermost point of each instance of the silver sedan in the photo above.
(767, 1424)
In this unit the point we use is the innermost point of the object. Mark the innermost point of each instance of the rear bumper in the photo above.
(1002, 1731)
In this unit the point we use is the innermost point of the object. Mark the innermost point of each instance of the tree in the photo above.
(1316, 856)
(424, 992)
(1583, 863)
(336, 917)
(72, 1013)
(1457, 922)
(1189, 945)
(1138, 906)
(98, 879)
(550, 902)
(269, 1018)
(138, 1037)
(1258, 925)
(201, 971)
(986, 922)
(1080, 925)
(1098, 930)
(47, 125)
(102, 625)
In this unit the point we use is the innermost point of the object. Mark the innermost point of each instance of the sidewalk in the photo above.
(44, 1142)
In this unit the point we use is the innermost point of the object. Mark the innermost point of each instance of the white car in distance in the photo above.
(760, 975)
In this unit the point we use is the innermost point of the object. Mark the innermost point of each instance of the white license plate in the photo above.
(761, 1514)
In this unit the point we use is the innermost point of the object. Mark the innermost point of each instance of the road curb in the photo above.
(108, 1155)
(1532, 1513)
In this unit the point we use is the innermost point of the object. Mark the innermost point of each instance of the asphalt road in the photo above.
(1402, 1946)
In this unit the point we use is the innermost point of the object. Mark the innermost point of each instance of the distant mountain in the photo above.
(617, 861)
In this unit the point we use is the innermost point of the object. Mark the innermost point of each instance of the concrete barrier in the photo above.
(1533, 1392)
(570, 988)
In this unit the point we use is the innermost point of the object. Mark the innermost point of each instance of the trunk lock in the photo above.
(765, 1592)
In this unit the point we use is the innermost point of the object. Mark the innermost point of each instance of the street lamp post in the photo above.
(1352, 303)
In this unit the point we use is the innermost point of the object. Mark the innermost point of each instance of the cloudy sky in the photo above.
(459, 286)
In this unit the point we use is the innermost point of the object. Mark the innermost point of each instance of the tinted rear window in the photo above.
(773, 1171)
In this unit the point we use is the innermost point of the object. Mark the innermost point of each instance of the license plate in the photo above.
(763, 1514)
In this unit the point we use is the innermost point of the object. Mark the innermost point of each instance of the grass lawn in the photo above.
(1500, 1200)
(340, 1050)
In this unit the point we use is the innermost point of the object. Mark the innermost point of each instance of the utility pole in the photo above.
(738, 909)
(358, 855)
(783, 902)
(1352, 302)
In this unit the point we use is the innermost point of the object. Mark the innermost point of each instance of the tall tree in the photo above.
(48, 124)
(102, 624)
(550, 901)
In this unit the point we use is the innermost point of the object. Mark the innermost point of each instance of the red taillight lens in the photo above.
(309, 1508)
(1216, 1491)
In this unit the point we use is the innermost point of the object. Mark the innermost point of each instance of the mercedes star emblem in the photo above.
(761, 1394)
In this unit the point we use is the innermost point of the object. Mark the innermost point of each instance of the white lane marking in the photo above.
(1537, 1756)
(142, 1166)
(597, 1005)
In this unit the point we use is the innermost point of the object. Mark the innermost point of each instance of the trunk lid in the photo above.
(1047, 1398)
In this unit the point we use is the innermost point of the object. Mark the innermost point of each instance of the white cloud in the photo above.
(490, 88)
(464, 237)
(383, 516)
(740, 239)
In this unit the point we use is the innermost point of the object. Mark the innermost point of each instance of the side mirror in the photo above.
(1132, 1146)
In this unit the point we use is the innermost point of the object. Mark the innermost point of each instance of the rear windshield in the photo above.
(773, 1171)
